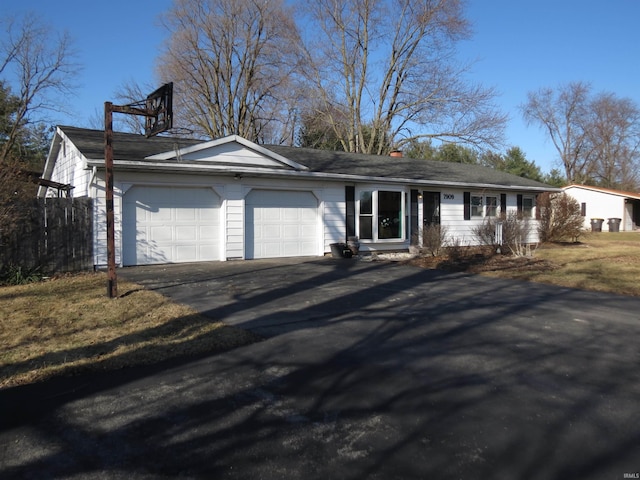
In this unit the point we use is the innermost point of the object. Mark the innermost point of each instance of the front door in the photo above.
(430, 208)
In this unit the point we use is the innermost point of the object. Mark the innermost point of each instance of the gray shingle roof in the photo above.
(126, 146)
(134, 147)
(393, 167)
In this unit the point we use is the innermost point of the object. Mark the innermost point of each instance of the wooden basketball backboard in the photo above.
(159, 105)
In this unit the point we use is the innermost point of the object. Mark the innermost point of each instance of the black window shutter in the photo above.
(503, 204)
(350, 200)
(467, 205)
(519, 204)
(415, 226)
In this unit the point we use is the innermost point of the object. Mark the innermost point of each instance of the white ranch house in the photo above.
(185, 200)
(605, 203)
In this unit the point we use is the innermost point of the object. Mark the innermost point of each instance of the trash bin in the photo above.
(614, 224)
(596, 224)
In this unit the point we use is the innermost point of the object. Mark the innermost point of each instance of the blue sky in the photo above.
(523, 46)
(516, 47)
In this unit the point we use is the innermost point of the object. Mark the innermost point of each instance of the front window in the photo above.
(389, 214)
(476, 206)
(380, 215)
(527, 207)
(366, 215)
(491, 206)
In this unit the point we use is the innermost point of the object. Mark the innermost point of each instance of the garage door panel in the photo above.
(271, 215)
(159, 215)
(291, 231)
(160, 234)
(184, 253)
(271, 250)
(281, 224)
(187, 215)
(184, 233)
(210, 232)
(307, 231)
(170, 224)
(272, 232)
(291, 215)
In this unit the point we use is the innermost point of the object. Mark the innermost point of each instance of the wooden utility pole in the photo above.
(158, 110)
(112, 282)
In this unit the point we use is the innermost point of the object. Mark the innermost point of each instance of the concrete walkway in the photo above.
(367, 370)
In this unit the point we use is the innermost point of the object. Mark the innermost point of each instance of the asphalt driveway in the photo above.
(367, 370)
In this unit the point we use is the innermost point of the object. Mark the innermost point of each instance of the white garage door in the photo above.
(170, 225)
(281, 224)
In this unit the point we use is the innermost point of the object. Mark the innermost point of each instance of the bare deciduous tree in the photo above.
(233, 64)
(596, 136)
(613, 131)
(36, 70)
(562, 114)
(39, 66)
(389, 64)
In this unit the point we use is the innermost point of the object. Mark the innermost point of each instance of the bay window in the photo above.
(380, 215)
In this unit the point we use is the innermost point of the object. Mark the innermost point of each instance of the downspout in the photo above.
(93, 193)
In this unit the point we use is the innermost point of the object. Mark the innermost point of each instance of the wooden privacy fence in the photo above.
(53, 234)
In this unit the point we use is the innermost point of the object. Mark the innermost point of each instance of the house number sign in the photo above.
(448, 196)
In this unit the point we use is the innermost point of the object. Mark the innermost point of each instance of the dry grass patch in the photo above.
(606, 262)
(67, 325)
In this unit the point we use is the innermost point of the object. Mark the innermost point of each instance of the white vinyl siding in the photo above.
(459, 230)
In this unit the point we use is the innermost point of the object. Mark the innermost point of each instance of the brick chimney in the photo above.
(396, 153)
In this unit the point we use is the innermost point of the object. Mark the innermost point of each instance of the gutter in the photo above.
(228, 170)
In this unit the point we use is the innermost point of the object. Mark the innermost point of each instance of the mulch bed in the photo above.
(478, 263)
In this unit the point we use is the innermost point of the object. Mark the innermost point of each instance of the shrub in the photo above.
(560, 217)
(511, 235)
(456, 251)
(434, 238)
(485, 233)
(515, 234)
(16, 275)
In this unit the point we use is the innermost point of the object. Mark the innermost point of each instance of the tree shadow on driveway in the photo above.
(369, 371)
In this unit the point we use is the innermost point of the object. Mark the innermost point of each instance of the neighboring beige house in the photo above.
(605, 203)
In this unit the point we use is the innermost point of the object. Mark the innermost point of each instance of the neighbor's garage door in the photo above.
(281, 224)
(170, 224)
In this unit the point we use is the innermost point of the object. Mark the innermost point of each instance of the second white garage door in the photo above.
(170, 225)
(281, 224)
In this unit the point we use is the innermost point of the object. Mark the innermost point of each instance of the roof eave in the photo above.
(225, 170)
(605, 191)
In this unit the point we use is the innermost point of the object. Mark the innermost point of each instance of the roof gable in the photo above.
(232, 150)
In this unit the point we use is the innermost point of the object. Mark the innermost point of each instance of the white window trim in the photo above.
(533, 206)
(496, 206)
(483, 204)
(472, 205)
